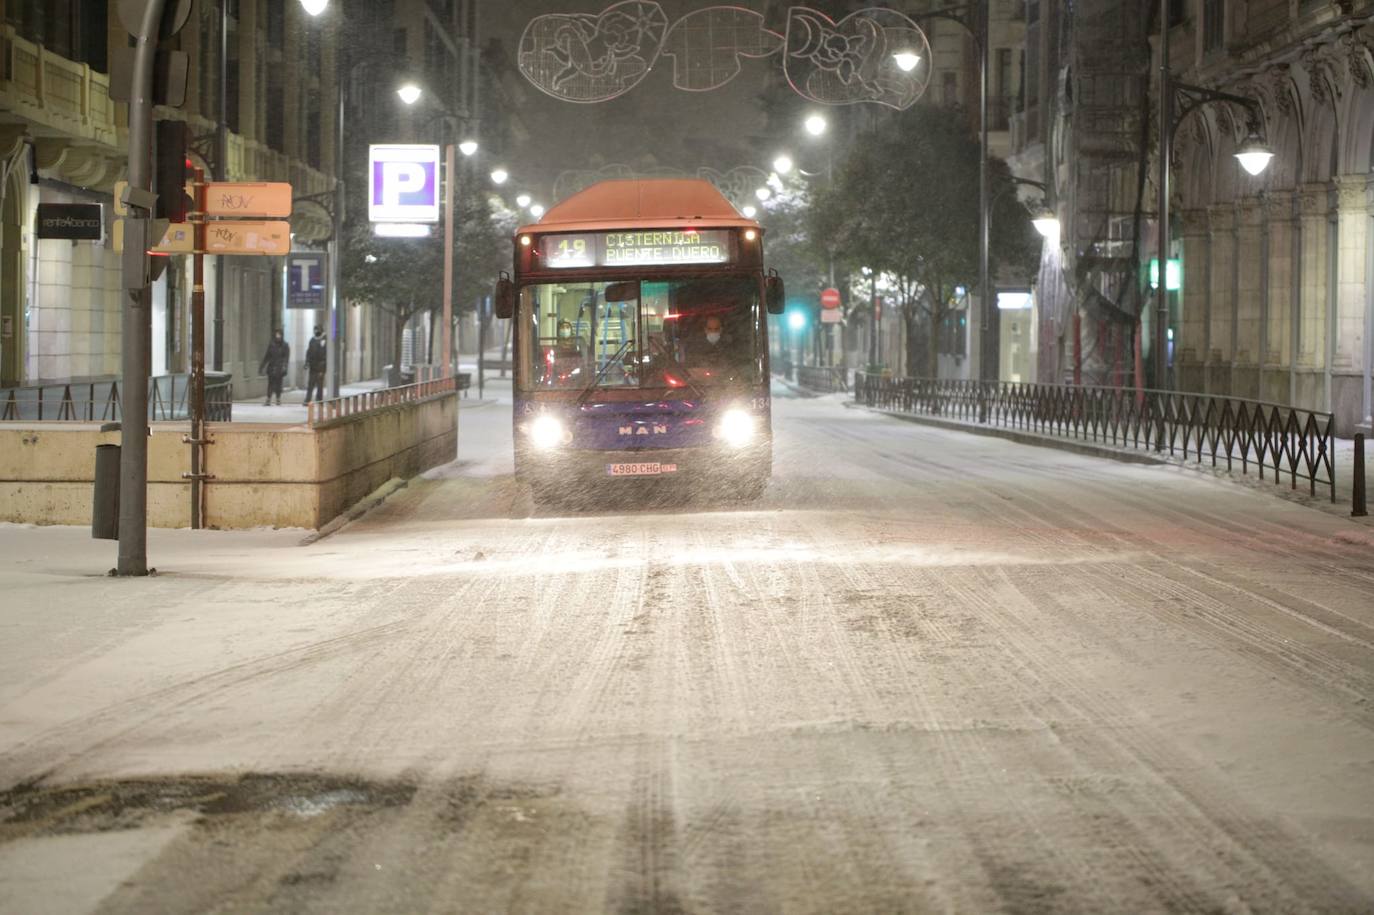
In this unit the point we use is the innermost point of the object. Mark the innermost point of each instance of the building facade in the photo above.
(63, 139)
(1276, 300)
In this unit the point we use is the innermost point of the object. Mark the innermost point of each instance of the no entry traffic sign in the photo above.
(830, 298)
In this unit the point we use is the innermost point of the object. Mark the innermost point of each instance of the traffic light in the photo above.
(169, 172)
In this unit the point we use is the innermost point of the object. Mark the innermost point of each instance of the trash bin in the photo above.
(105, 510)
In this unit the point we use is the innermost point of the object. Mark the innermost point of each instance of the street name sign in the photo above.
(247, 237)
(243, 199)
(71, 221)
(403, 183)
(305, 280)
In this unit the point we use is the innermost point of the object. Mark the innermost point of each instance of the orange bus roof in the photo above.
(641, 203)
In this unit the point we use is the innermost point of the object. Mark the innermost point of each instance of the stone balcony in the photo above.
(81, 135)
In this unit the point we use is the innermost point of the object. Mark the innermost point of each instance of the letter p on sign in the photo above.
(404, 183)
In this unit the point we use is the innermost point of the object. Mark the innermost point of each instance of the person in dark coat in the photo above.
(315, 359)
(274, 364)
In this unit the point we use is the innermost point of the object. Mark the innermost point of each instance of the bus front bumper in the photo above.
(700, 465)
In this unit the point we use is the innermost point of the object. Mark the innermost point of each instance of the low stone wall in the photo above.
(265, 475)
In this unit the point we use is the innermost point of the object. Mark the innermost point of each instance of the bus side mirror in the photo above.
(773, 294)
(503, 303)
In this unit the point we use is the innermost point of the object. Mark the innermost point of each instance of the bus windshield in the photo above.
(695, 332)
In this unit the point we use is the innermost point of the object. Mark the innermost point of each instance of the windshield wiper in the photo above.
(619, 356)
(686, 379)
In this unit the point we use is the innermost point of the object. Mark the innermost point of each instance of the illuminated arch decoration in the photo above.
(707, 46)
(738, 184)
(585, 57)
(578, 57)
(851, 61)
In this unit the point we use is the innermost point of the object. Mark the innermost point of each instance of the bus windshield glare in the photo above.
(692, 333)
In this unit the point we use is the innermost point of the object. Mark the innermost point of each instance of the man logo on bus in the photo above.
(657, 429)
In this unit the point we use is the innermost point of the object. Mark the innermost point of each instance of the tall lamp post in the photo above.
(973, 16)
(334, 357)
(1176, 102)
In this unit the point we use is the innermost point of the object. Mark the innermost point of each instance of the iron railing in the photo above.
(325, 411)
(1288, 441)
(825, 378)
(98, 401)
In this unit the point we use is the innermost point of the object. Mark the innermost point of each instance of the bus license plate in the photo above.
(644, 469)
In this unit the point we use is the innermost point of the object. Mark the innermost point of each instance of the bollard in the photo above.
(1357, 496)
(105, 510)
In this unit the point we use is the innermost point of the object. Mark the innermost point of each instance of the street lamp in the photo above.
(974, 16)
(906, 60)
(523, 200)
(409, 93)
(499, 176)
(536, 210)
(1176, 102)
(314, 7)
(468, 147)
(783, 164)
(815, 125)
(1047, 224)
(763, 194)
(749, 211)
(1254, 154)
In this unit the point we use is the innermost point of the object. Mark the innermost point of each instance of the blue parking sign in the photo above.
(305, 280)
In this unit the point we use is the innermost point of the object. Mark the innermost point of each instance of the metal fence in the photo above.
(324, 411)
(1287, 441)
(825, 378)
(98, 401)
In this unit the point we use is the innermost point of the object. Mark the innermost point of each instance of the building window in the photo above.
(1213, 24)
(276, 110)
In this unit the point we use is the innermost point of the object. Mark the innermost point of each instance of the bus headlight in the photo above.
(546, 432)
(736, 428)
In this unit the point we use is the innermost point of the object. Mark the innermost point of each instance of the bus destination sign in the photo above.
(634, 248)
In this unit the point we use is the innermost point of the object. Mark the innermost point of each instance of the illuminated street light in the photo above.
(467, 147)
(499, 176)
(1047, 224)
(1254, 154)
(409, 93)
(815, 125)
(906, 60)
(749, 211)
(782, 164)
(536, 210)
(763, 194)
(314, 7)
(796, 320)
(523, 200)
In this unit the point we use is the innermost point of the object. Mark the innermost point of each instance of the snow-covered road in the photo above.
(928, 671)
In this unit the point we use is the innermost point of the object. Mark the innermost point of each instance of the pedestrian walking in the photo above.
(315, 358)
(274, 365)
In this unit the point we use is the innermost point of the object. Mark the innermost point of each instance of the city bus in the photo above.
(640, 342)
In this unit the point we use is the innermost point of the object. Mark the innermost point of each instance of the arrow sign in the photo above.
(248, 199)
(248, 237)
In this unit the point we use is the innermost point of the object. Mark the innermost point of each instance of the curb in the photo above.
(357, 510)
(1021, 438)
(795, 388)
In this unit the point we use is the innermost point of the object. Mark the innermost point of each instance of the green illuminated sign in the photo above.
(1173, 274)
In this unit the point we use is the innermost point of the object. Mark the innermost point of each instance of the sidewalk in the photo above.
(1343, 458)
(292, 409)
